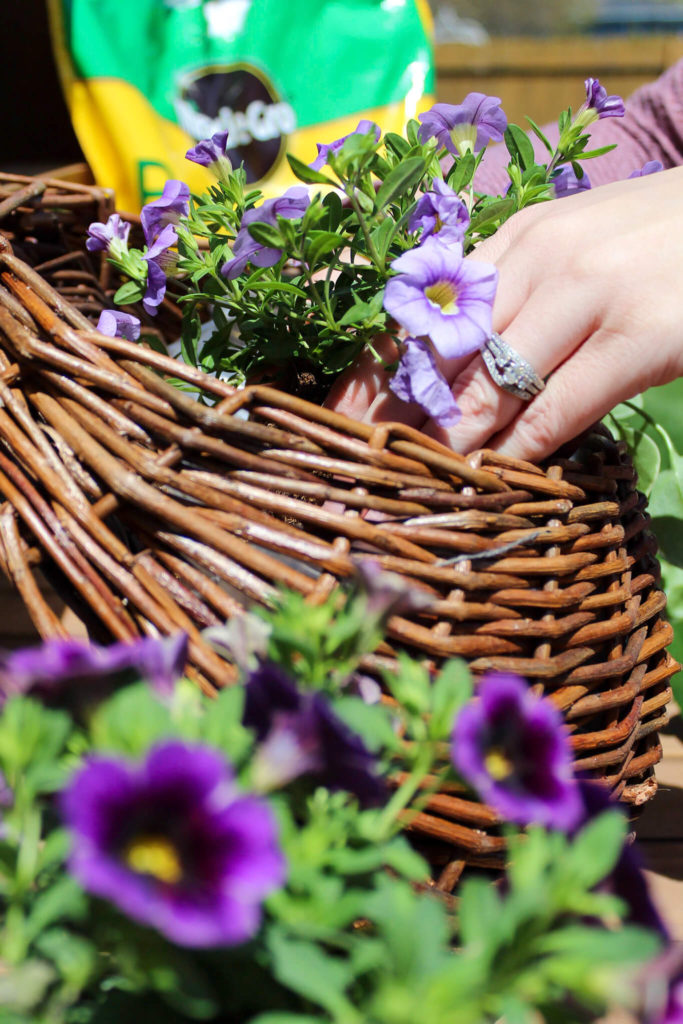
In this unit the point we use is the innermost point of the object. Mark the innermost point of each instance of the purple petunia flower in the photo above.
(418, 379)
(510, 745)
(326, 148)
(159, 262)
(651, 167)
(438, 294)
(300, 734)
(467, 127)
(48, 669)
(292, 205)
(440, 212)
(600, 103)
(626, 879)
(116, 324)
(173, 844)
(172, 204)
(111, 237)
(565, 182)
(211, 153)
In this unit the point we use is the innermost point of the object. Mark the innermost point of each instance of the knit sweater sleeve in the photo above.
(652, 129)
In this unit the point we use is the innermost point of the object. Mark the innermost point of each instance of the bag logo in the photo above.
(240, 99)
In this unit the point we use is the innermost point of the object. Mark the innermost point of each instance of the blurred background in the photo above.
(534, 55)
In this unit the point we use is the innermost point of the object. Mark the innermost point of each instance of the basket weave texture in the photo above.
(156, 513)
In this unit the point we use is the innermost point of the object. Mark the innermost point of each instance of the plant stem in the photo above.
(372, 251)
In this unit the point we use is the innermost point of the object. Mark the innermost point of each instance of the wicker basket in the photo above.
(159, 513)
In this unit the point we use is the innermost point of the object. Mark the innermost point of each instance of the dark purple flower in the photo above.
(440, 212)
(159, 261)
(300, 734)
(599, 103)
(211, 153)
(292, 205)
(57, 663)
(438, 294)
(418, 379)
(673, 1010)
(116, 324)
(510, 745)
(651, 167)
(172, 204)
(626, 879)
(173, 843)
(111, 237)
(326, 148)
(467, 127)
(564, 182)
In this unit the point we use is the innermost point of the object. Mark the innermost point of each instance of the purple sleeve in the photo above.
(652, 129)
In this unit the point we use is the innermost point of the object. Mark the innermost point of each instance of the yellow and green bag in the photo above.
(145, 79)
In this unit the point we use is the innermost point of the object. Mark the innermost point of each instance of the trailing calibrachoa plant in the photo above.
(165, 856)
(296, 287)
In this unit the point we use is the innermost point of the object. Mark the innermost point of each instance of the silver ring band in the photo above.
(509, 370)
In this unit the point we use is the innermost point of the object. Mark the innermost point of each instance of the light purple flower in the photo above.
(173, 843)
(600, 103)
(438, 294)
(467, 127)
(49, 669)
(387, 593)
(300, 734)
(159, 261)
(292, 205)
(116, 324)
(111, 237)
(326, 148)
(651, 167)
(418, 379)
(211, 153)
(440, 212)
(172, 204)
(510, 745)
(565, 182)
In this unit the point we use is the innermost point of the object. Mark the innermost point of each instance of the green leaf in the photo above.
(129, 293)
(63, 900)
(645, 453)
(74, 957)
(452, 689)
(266, 234)
(372, 722)
(189, 337)
(321, 243)
(628, 945)
(491, 214)
(396, 143)
(519, 146)
(479, 915)
(131, 721)
(287, 1018)
(461, 172)
(30, 734)
(399, 181)
(305, 173)
(596, 849)
(539, 134)
(309, 971)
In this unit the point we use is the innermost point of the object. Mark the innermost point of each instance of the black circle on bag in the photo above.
(242, 100)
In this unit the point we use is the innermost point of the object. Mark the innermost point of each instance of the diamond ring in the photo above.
(509, 370)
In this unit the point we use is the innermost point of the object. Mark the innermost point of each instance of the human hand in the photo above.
(590, 292)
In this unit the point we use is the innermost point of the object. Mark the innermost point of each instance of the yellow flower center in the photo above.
(464, 138)
(154, 855)
(498, 765)
(438, 224)
(444, 295)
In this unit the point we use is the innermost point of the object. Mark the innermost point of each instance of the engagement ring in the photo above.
(509, 370)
